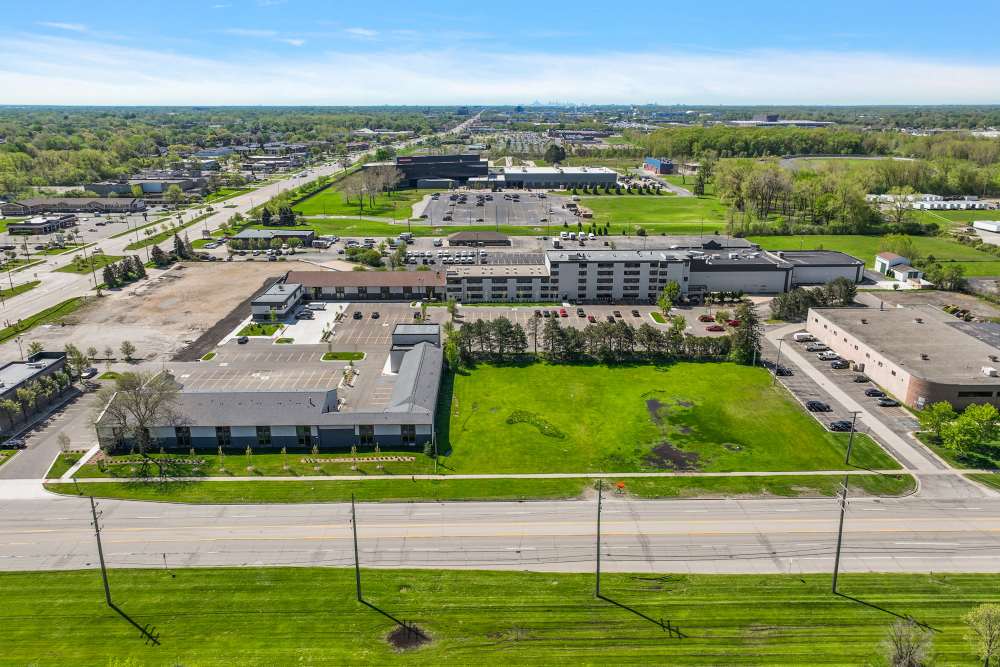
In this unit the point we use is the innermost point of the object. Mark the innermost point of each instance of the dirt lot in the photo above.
(160, 315)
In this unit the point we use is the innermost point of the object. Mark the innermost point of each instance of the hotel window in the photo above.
(408, 433)
(183, 434)
(366, 433)
(223, 436)
(263, 436)
(303, 435)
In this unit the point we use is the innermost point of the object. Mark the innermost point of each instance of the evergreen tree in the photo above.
(188, 248)
(179, 251)
(138, 267)
(747, 336)
(110, 279)
(159, 257)
(265, 217)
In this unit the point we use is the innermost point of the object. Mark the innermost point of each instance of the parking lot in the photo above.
(275, 374)
(493, 208)
(350, 334)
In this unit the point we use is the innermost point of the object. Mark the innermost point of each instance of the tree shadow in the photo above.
(150, 635)
(871, 605)
(666, 626)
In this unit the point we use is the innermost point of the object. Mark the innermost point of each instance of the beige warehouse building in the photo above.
(919, 354)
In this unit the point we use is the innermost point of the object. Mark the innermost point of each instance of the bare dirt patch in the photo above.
(407, 638)
(665, 455)
(653, 406)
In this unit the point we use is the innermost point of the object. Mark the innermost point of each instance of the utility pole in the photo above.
(850, 440)
(357, 565)
(597, 581)
(840, 532)
(777, 361)
(100, 551)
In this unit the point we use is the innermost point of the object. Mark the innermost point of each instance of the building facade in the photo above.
(41, 205)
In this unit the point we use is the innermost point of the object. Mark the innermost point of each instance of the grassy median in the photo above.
(282, 616)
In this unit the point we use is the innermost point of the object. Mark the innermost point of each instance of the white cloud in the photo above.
(58, 25)
(39, 69)
(293, 41)
(361, 32)
(221, 6)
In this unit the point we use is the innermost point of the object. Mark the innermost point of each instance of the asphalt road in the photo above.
(714, 536)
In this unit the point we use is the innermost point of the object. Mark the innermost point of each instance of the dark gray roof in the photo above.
(271, 233)
(253, 408)
(417, 329)
(419, 379)
(819, 258)
(279, 293)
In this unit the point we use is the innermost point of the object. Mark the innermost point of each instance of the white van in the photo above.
(803, 337)
(564, 235)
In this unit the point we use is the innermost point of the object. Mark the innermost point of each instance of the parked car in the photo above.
(538, 313)
(874, 393)
(840, 425)
(15, 443)
(375, 315)
(580, 313)
(781, 371)
(304, 315)
(242, 340)
(635, 313)
(715, 327)
(816, 347)
(861, 377)
(546, 313)
(827, 356)
(88, 373)
(357, 314)
(887, 402)
(733, 323)
(611, 318)
(817, 406)
(617, 313)
(706, 318)
(839, 364)
(563, 313)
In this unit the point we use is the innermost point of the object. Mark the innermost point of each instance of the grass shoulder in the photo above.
(266, 329)
(343, 356)
(55, 313)
(19, 289)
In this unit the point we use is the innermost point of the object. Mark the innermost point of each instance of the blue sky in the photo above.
(392, 52)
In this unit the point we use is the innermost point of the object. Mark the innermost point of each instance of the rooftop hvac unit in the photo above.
(989, 371)
(733, 255)
(923, 355)
(919, 320)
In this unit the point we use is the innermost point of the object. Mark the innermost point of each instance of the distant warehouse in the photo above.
(437, 168)
(548, 178)
(40, 205)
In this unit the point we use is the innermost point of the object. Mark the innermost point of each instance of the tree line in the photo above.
(794, 305)
(124, 271)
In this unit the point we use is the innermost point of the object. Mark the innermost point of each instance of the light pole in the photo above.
(850, 440)
(19, 348)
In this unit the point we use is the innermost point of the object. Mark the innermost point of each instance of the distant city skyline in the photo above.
(309, 52)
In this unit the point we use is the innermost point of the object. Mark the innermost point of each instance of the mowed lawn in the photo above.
(658, 213)
(975, 262)
(331, 201)
(309, 616)
(683, 416)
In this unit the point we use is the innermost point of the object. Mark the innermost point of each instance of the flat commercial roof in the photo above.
(367, 278)
(499, 270)
(278, 293)
(15, 372)
(558, 170)
(819, 258)
(953, 355)
(478, 236)
(416, 329)
(588, 255)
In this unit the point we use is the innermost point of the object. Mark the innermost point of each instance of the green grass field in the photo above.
(314, 490)
(658, 214)
(223, 194)
(343, 356)
(53, 314)
(975, 262)
(672, 416)
(19, 289)
(331, 201)
(282, 616)
(89, 264)
(6, 454)
(259, 329)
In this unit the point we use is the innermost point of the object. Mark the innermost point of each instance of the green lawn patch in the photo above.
(331, 201)
(208, 356)
(223, 194)
(109, 375)
(6, 455)
(274, 616)
(667, 417)
(658, 317)
(165, 235)
(343, 356)
(89, 264)
(657, 214)
(62, 464)
(54, 314)
(975, 262)
(69, 247)
(986, 455)
(314, 489)
(259, 329)
(285, 341)
(19, 289)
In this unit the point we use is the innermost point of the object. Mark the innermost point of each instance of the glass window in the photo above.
(183, 434)
(366, 433)
(303, 434)
(408, 433)
(263, 436)
(223, 436)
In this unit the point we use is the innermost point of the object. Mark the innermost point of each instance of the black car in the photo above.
(304, 315)
(618, 313)
(635, 313)
(611, 318)
(783, 372)
(839, 364)
(242, 340)
(840, 425)
(887, 402)
(875, 393)
(817, 406)
(357, 314)
(538, 313)
(546, 313)
(375, 315)
(580, 313)
(15, 443)
(861, 378)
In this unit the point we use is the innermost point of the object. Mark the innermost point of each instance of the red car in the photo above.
(591, 318)
(715, 327)
(706, 318)
(733, 323)
(563, 313)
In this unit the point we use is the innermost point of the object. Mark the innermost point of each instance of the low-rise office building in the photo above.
(43, 224)
(485, 238)
(307, 236)
(455, 168)
(16, 375)
(278, 300)
(552, 178)
(370, 285)
(919, 354)
(39, 205)
(658, 165)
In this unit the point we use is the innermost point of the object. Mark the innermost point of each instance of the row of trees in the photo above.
(124, 271)
(794, 305)
(966, 434)
(285, 216)
(38, 393)
(947, 276)
(366, 185)
(263, 244)
(500, 339)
